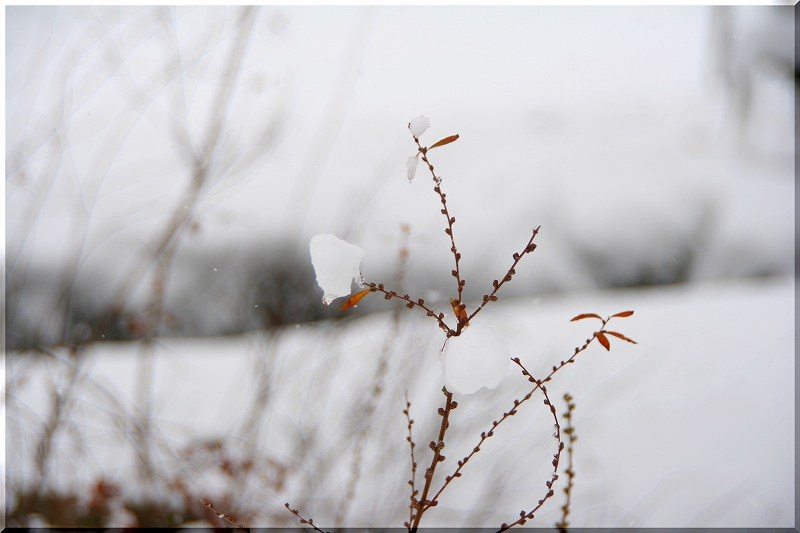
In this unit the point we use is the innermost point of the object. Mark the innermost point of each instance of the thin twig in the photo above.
(485, 435)
(459, 307)
(525, 516)
(570, 432)
(309, 521)
(511, 271)
(424, 504)
(450, 220)
(227, 518)
(413, 479)
(411, 303)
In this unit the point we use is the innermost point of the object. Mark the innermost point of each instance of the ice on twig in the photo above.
(419, 125)
(336, 264)
(555, 443)
(476, 358)
(412, 166)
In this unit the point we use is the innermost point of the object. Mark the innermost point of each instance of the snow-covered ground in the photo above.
(652, 145)
(693, 426)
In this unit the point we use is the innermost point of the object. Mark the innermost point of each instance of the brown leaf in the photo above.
(353, 300)
(603, 340)
(446, 140)
(623, 314)
(586, 315)
(461, 314)
(620, 336)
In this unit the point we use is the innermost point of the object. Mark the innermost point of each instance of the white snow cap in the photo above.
(419, 125)
(412, 166)
(336, 263)
(476, 358)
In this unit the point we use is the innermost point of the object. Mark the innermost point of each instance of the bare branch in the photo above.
(309, 521)
(424, 504)
(227, 518)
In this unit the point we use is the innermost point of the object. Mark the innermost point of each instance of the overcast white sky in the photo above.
(474, 62)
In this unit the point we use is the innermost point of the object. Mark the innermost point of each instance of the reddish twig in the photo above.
(511, 271)
(411, 304)
(459, 307)
(424, 504)
(450, 220)
(309, 521)
(413, 479)
(485, 435)
(227, 518)
(523, 516)
(457, 304)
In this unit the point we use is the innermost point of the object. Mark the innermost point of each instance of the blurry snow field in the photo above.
(692, 427)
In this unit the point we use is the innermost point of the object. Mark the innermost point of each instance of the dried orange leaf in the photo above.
(446, 140)
(586, 315)
(623, 314)
(603, 340)
(621, 336)
(353, 300)
(461, 314)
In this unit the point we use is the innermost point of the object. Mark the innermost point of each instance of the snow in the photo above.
(692, 427)
(476, 358)
(411, 165)
(419, 125)
(336, 264)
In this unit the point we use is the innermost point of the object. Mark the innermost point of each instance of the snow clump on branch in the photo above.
(412, 166)
(475, 359)
(419, 125)
(336, 264)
